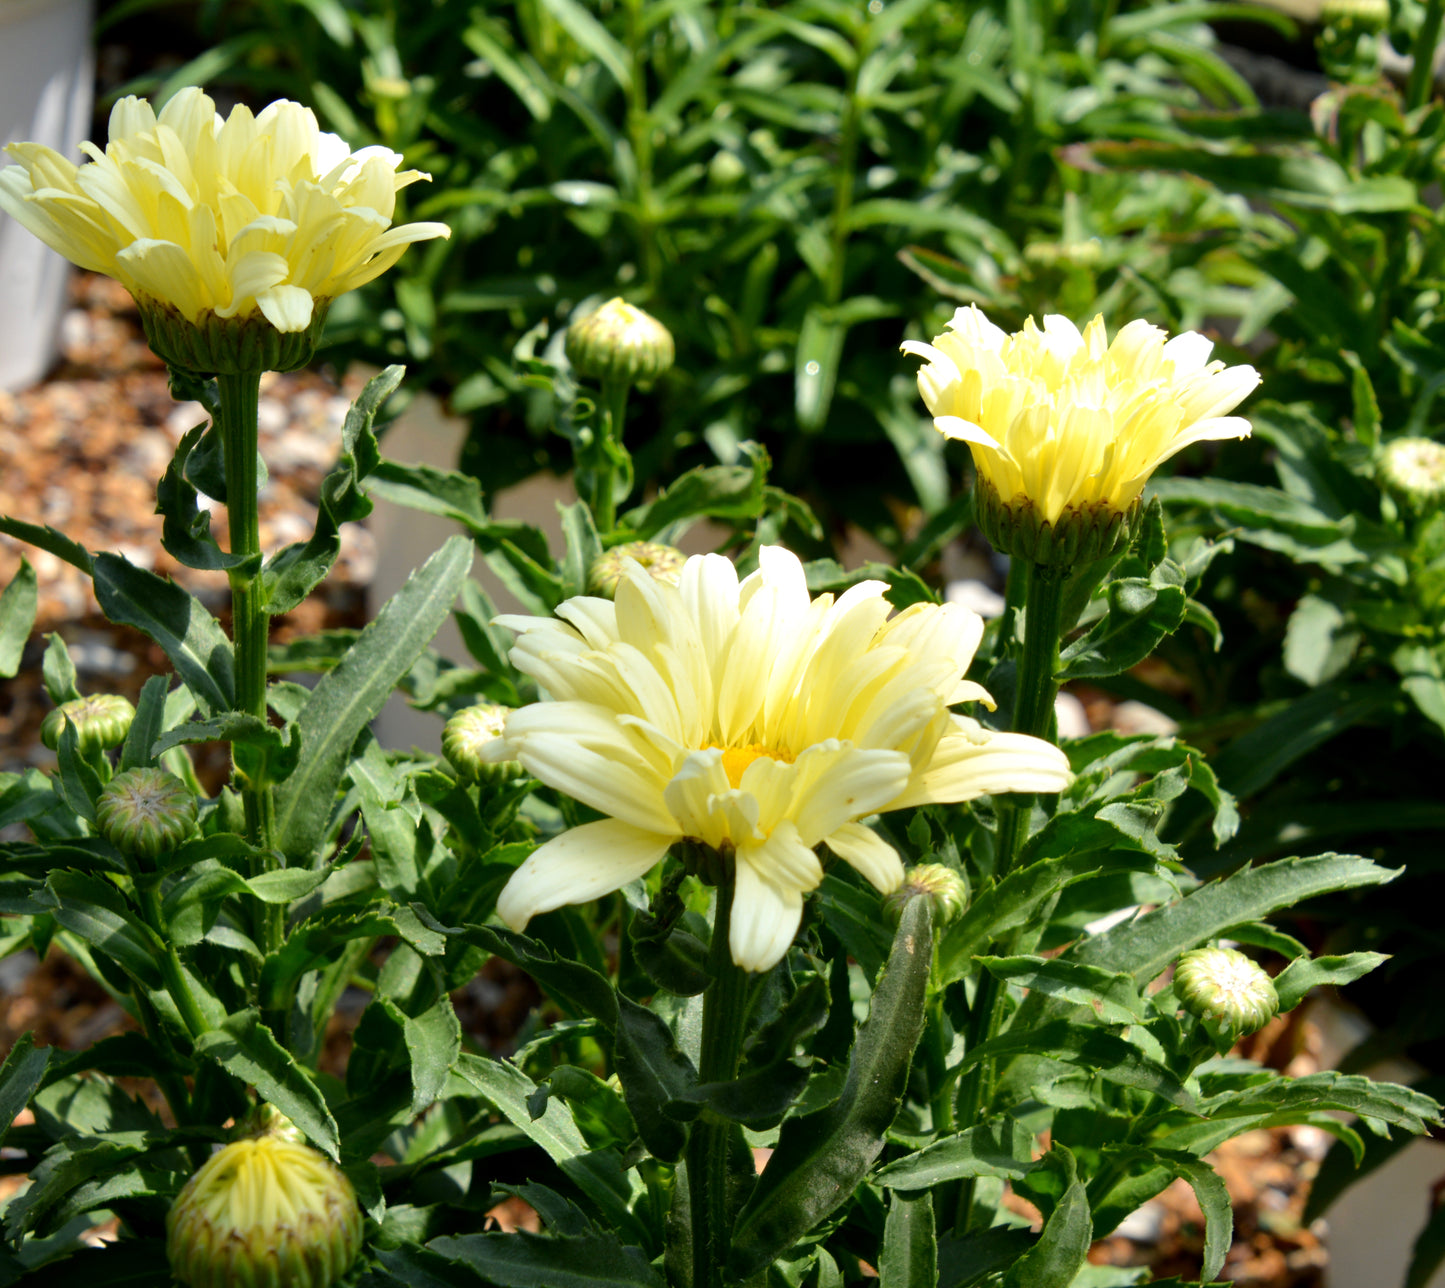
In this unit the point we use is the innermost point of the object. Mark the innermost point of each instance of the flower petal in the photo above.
(580, 864)
(870, 854)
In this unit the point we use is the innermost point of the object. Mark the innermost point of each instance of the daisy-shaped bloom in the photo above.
(228, 218)
(755, 720)
(1064, 421)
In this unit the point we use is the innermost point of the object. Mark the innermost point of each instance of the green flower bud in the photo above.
(101, 721)
(662, 562)
(948, 890)
(145, 812)
(620, 342)
(1364, 15)
(466, 738)
(264, 1212)
(1414, 470)
(1225, 989)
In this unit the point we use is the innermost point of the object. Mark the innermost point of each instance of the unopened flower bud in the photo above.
(265, 1212)
(620, 342)
(1363, 15)
(145, 812)
(1225, 989)
(1414, 470)
(948, 890)
(661, 562)
(101, 721)
(466, 738)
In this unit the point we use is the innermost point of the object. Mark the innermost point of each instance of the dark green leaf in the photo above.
(291, 574)
(522, 1260)
(149, 720)
(48, 539)
(19, 1076)
(909, 1256)
(1063, 1244)
(1109, 1056)
(96, 911)
(433, 1042)
(189, 635)
(655, 1075)
(1111, 996)
(246, 1048)
(186, 528)
(1140, 614)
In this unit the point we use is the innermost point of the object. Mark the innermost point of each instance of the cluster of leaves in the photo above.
(787, 186)
(1334, 591)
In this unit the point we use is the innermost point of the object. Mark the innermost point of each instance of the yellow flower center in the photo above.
(735, 760)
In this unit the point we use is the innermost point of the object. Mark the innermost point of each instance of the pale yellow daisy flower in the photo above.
(1069, 421)
(756, 720)
(251, 214)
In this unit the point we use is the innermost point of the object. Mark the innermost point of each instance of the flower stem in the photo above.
(147, 891)
(239, 400)
(1033, 715)
(724, 1015)
(604, 477)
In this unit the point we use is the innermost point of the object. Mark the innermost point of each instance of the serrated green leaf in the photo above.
(1140, 613)
(96, 912)
(347, 698)
(655, 1075)
(149, 721)
(247, 1049)
(48, 539)
(1303, 974)
(433, 1042)
(598, 1174)
(21, 1073)
(999, 1147)
(1111, 995)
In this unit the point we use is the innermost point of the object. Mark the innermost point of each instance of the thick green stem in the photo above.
(171, 972)
(239, 397)
(1034, 715)
(604, 478)
(724, 1015)
(1422, 73)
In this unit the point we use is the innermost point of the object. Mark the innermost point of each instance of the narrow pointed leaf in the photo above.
(347, 698)
(18, 602)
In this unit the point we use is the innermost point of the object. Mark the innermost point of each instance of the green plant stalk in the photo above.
(724, 1013)
(239, 399)
(604, 477)
(639, 133)
(1033, 715)
(1422, 74)
(170, 963)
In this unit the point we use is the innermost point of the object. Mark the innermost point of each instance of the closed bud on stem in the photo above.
(101, 721)
(948, 890)
(1226, 990)
(619, 342)
(466, 737)
(664, 563)
(145, 812)
(1413, 469)
(264, 1212)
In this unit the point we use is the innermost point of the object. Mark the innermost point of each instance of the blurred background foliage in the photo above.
(794, 188)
